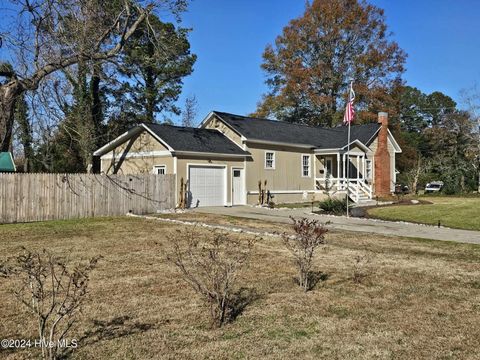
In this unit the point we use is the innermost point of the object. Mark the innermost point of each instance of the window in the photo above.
(305, 165)
(368, 164)
(159, 169)
(269, 160)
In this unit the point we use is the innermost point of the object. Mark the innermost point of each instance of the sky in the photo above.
(441, 38)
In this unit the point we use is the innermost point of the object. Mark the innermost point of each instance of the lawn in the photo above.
(455, 212)
(420, 299)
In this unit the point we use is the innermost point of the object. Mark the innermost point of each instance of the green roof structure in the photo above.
(6, 162)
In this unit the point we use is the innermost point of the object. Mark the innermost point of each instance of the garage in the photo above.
(207, 185)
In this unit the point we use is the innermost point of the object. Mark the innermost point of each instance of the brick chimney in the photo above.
(382, 158)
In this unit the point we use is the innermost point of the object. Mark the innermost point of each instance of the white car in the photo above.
(434, 186)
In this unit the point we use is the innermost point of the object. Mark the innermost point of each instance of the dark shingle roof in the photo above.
(194, 139)
(280, 131)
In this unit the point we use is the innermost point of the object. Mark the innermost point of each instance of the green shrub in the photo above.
(334, 206)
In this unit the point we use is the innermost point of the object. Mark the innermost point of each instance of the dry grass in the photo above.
(421, 299)
(226, 220)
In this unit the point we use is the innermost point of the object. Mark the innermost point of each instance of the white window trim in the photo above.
(273, 160)
(155, 167)
(309, 165)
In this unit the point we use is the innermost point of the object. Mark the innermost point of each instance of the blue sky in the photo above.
(441, 38)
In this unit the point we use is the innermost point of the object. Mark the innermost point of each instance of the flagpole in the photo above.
(348, 171)
(348, 155)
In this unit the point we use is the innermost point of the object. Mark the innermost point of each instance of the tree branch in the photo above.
(32, 82)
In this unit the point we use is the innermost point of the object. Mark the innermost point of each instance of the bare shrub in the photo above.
(309, 235)
(52, 290)
(209, 261)
(360, 268)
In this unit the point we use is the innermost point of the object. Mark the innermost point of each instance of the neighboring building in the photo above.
(223, 160)
(6, 162)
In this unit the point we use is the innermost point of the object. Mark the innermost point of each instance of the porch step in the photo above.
(362, 198)
(368, 202)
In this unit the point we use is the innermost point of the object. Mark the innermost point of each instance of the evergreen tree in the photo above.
(25, 132)
(155, 61)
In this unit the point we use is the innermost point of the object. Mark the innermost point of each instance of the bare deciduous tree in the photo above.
(413, 175)
(52, 290)
(309, 236)
(189, 113)
(209, 261)
(48, 36)
(471, 98)
(360, 268)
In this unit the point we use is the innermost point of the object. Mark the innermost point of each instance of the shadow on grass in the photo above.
(314, 277)
(117, 327)
(240, 300)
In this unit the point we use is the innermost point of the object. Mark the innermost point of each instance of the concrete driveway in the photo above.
(350, 224)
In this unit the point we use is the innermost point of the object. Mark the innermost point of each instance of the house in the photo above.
(223, 160)
(6, 162)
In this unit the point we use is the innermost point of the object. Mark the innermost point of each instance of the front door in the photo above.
(238, 192)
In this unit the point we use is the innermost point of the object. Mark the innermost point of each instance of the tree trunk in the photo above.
(9, 94)
(150, 97)
(97, 113)
(25, 129)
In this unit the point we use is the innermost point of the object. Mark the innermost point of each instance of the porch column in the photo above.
(344, 174)
(363, 167)
(338, 170)
(358, 167)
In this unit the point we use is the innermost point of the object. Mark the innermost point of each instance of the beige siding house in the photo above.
(224, 159)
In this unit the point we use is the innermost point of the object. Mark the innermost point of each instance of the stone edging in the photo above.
(197, 223)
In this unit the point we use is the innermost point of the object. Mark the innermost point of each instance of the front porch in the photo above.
(335, 173)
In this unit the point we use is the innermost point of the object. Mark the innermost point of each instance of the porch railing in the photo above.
(358, 188)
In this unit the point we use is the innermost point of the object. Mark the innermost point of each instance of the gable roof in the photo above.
(285, 132)
(189, 139)
(179, 139)
(6, 162)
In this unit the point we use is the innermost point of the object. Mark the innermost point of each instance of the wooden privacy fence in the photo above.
(38, 197)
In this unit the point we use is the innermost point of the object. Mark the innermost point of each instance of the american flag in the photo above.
(349, 110)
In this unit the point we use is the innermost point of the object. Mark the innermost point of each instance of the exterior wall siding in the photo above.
(124, 160)
(140, 165)
(252, 199)
(140, 143)
(217, 124)
(373, 146)
(393, 176)
(287, 174)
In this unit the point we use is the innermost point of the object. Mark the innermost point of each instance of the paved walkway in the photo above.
(351, 224)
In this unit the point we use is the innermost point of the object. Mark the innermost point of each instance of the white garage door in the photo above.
(207, 186)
